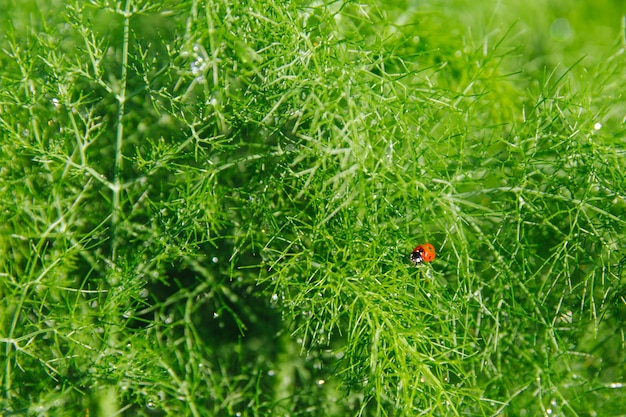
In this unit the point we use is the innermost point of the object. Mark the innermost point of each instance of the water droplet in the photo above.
(597, 126)
(215, 260)
(561, 29)
(274, 297)
(320, 382)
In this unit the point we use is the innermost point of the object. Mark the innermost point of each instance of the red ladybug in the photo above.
(423, 253)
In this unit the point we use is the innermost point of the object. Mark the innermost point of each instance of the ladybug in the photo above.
(423, 253)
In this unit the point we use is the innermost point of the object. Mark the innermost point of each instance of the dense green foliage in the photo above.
(207, 208)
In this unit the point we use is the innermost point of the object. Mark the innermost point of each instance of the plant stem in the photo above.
(117, 171)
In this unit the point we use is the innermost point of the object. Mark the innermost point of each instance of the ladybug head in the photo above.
(416, 257)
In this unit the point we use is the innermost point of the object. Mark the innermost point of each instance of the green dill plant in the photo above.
(207, 208)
